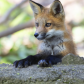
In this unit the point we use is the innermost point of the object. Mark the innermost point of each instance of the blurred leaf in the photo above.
(20, 19)
(4, 6)
(9, 59)
(78, 33)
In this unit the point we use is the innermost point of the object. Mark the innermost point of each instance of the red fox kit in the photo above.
(54, 38)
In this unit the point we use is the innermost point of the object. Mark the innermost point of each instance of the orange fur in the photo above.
(44, 15)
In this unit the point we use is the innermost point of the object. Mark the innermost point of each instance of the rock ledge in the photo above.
(62, 73)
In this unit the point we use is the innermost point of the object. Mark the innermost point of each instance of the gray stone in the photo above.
(70, 71)
(72, 59)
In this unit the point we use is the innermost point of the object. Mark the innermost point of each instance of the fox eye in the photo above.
(48, 24)
(37, 24)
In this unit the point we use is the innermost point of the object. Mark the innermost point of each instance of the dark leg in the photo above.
(24, 62)
(50, 60)
(27, 61)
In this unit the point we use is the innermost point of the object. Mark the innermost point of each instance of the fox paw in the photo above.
(24, 62)
(44, 63)
(21, 64)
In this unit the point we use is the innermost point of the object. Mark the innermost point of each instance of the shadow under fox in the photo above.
(54, 38)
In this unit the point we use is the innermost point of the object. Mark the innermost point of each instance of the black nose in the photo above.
(36, 34)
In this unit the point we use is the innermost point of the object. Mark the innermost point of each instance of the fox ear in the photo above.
(56, 8)
(37, 8)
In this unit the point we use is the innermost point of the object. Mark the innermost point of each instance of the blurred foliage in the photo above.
(78, 33)
(17, 46)
(20, 44)
(4, 6)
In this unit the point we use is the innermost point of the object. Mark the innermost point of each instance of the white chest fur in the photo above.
(53, 47)
(54, 44)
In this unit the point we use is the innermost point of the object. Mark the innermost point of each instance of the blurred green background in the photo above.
(22, 43)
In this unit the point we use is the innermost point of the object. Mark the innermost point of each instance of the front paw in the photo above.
(24, 62)
(44, 63)
(21, 63)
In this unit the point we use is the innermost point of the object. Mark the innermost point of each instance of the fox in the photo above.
(54, 38)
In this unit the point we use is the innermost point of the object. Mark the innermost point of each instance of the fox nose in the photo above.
(36, 34)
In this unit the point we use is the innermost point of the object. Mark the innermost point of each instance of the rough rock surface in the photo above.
(62, 73)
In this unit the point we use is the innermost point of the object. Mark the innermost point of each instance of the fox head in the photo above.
(49, 21)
